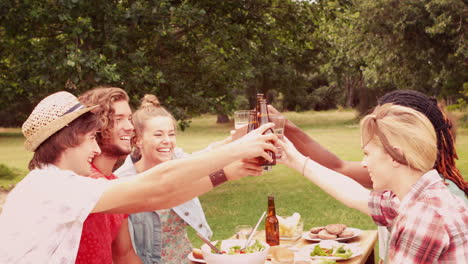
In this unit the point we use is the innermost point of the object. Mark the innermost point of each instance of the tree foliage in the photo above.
(211, 56)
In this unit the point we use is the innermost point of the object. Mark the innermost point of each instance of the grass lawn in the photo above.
(243, 201)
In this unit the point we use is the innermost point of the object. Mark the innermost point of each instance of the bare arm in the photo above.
(311, 148)
(122, 248)
(342, 188)
(154, 188)
(185, 192)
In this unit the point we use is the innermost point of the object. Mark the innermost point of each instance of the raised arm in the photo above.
(154, 189)
(344, 189)
(312, 149)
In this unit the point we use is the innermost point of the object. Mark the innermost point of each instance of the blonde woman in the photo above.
(160, 236)
(400, 148)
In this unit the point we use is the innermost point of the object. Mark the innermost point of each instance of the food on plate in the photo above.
(237, 249)
(197, 253)
(314, 236)
(346, 233)
(335, 229)
(288, 225)
(315, 230)
(325, 235)
(338, 250)
(331, 231)
(281, 255)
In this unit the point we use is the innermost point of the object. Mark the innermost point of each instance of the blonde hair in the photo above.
(397, 126)
(149, 108)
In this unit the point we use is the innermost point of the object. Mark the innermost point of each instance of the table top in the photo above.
(366, 240)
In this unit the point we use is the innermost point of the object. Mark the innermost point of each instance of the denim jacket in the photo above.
(145, 228)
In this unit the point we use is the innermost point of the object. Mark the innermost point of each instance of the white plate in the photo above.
(192, 258)
(355, 248)
(356, 232)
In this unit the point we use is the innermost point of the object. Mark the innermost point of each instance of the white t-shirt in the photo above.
(43, 216)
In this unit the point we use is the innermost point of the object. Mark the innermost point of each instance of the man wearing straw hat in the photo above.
(43, 215)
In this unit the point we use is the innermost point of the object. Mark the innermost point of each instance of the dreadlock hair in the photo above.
(445, 163)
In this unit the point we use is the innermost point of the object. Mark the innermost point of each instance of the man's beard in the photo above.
(112, 150)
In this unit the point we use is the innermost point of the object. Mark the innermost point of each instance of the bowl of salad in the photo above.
(232, 252)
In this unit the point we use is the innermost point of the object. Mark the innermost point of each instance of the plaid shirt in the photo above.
(430, 225)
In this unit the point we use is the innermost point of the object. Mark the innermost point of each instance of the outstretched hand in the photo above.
(242, 168)
(290, 157)
(255, 144)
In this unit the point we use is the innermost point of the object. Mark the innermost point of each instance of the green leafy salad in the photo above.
(234, 250)
(335, 251)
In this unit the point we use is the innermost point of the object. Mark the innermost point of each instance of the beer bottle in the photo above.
(253, 121)
(260, 97)
(272, 224)
(263, 119)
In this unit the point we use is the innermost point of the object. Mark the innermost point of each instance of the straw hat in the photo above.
(49, 116)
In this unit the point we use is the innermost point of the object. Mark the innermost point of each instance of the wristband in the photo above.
(218, 178)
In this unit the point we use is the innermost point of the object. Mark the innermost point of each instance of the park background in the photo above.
(324, 63)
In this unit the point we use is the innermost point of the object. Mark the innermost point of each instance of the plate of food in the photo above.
(331, 250)
(196, 256)
(337, 232)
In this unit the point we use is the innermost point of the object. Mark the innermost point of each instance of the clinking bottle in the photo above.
(263, 119)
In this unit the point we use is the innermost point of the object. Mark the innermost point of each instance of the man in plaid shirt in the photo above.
(430, 225)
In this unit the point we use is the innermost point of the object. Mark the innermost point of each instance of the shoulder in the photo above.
(454, 189)
(127, 169)
(180, 154)
(434, 217)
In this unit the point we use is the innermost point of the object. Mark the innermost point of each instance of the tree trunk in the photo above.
(222, 119)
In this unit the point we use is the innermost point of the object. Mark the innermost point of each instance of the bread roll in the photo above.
(281, 255)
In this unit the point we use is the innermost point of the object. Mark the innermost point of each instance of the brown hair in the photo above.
(392, 125)
(103, 97)
(149, 108)
(70, 136)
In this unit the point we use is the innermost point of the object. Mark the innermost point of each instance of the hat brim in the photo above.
(44, 133)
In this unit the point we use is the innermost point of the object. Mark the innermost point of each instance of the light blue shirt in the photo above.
(145, 228)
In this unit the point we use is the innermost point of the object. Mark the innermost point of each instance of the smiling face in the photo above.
(158, 140)
(78, 159)
(121, 131)
(379, 165)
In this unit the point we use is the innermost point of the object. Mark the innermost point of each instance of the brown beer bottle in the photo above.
(272, 224)
(253, 121)
(260, 97)
(263, 119)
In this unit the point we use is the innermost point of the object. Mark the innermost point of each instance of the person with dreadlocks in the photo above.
(427, 222)
(446, 155)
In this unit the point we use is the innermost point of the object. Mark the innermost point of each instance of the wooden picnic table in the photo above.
(366, 240)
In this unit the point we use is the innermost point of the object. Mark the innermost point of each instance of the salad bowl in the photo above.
(255, 253)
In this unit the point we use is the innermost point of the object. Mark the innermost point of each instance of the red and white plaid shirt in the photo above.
(430, 225)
